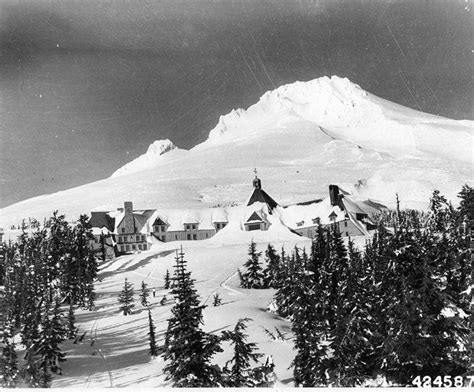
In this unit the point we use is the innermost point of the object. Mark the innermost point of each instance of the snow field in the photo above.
(114, 350)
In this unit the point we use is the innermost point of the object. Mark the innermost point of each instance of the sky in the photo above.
(86, 86)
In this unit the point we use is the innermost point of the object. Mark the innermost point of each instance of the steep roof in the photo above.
(102, 219)
(259, 195)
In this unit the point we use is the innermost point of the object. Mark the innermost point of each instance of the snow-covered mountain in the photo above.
(301, 137)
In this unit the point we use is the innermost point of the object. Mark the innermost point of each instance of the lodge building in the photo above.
(127, 230)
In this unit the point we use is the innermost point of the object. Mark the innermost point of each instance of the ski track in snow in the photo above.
(231, 290)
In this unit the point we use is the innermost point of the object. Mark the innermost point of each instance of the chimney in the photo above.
(128, 217)
(333, 194)
(128, 207)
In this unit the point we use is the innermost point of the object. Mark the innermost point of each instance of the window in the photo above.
(138, 237)
(176, 236)
(345, 223)
(123, 229)
(144, 247)
(347, 234)
(194, 227)
(134, 247)
(194, 237)
(186, 227)
(207, 235)
(163, 238)
(143, 238)
(139, 247)
(255, 226)
(122, 248)
(127, 248)
(189, 236)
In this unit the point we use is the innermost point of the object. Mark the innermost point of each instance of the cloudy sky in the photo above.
(86, 86)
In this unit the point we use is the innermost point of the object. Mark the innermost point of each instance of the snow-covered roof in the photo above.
(293, 215)
(219, 215)
(176, 219)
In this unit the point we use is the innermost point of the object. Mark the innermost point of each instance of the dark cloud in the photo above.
(87, 85)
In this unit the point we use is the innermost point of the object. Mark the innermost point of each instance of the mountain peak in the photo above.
(325, 98)
(149, 159)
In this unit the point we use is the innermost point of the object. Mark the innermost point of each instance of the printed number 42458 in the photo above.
(446, 381)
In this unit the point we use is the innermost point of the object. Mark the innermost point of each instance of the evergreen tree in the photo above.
(87, 266)
(8, 360)
(420, 339)
(53, 333)
(188, 350)
(71, 323)
(151, 336)
(308, 326)
(103, 249)
(272, 261)
(144, 294)
(241, 374)
(217, 301)
(438, 207)
(253, 277)
(352, 344)
(167, 280)
(30, 372)
(466, 205)
(285, 294)
(126, 298)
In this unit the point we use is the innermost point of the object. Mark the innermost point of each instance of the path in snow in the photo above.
(231, 290)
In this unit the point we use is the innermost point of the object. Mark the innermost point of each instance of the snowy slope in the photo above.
(301, 137)
(152, 157)
(114, 351)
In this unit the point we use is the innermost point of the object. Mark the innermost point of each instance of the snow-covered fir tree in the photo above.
(151, 336)
(188, 349)
(126, 298)
(238, 371)
(272, 267)
(253, 277)
(167, 280)
(8, 359)
(71, 323)
(144, 294)
(52, 334)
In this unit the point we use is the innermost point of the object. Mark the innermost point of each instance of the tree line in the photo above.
(49, 269)
(396, 310)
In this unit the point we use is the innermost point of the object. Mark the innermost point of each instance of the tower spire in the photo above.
(257, 184)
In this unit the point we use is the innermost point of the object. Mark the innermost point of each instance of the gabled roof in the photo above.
(254, 218)
(159, 222)
(102, 219)
(140, 218)
(259, 195)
